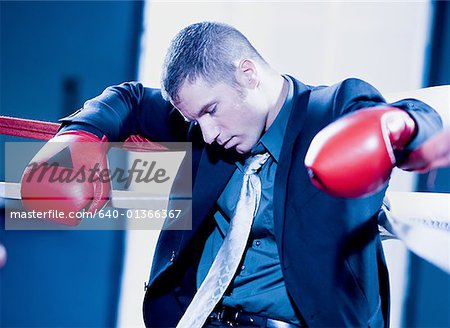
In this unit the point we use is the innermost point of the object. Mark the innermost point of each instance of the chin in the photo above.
(242, 149)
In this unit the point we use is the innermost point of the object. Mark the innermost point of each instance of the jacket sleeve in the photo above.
(354, 94)
(126, 109)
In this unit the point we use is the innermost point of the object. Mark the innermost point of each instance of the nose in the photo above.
(209, 130)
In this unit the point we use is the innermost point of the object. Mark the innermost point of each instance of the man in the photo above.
(310, 259)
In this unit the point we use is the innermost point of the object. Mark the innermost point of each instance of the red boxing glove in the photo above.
(354, 156)
(69, 174)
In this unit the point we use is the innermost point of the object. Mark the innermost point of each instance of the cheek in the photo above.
(234, 118)
(243, 120)
(244, 124)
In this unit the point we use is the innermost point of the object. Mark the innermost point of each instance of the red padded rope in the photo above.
(32, 129)
(41, 130)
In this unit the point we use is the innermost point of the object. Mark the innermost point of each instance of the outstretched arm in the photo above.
(128, 109)
(354, 155)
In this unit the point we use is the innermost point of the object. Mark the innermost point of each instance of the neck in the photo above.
(277, 92)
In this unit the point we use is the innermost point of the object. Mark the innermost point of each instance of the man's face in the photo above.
(226, 115)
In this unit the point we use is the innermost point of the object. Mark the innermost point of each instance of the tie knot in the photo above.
(254, 163)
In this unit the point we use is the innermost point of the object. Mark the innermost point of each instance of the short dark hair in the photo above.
(206, 49)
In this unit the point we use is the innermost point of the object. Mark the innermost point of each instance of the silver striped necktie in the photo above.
(230, 253)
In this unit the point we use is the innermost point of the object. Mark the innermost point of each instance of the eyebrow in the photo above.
(202, 111)
(205, 107)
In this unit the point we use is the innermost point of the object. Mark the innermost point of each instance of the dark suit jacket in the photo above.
(330, 251)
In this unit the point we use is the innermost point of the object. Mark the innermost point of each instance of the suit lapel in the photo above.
(295, 125)
(213, 174)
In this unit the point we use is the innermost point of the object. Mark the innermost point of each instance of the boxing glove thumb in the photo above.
(354, 156)
(69, 174)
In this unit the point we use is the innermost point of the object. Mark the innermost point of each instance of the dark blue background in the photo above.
(54, 55)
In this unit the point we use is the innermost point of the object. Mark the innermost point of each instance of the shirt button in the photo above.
(257, 243)
(172, 257)
(243, 267)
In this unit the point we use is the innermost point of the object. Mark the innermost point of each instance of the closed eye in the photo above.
(213, 109)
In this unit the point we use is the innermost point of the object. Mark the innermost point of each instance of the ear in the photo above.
(247, 75)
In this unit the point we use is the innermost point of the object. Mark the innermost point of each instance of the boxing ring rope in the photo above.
(24, 128)
(44, 131)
